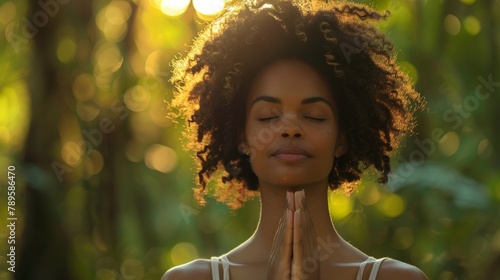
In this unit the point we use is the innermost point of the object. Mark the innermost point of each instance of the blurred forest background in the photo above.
(104, 191)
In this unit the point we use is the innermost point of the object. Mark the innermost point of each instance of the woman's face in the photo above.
(291, 129)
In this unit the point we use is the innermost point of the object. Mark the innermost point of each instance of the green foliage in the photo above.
(82, 117)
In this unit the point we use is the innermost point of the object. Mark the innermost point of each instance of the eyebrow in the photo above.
(309, 100)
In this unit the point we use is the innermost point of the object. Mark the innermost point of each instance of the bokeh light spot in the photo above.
(159, 114)
(84, 87)
(448, 145)
(105, 274)
(4, 135)
(118, 12)
(133, 151)
(161, 158)
(182, 253)
(495, 242)
(484, 149)
(137, 98)
(107, 58)
(112, 20)
(97, 161)
(153, 64)
(206, 9)
(174, 7)
(451, 24)
(403, 238)
(370, 195)
(7, 12)
(71, 153)
(340, 205)
(468, 2)
(87, 111)
(472, 25)
(392, 205)
(66, 49)
(132, 269)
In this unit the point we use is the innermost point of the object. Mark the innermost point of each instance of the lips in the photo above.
(291, 154)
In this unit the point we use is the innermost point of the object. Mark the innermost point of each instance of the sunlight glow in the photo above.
(207, 9)
(174, 7)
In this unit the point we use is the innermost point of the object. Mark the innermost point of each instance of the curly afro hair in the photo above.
(376, 100)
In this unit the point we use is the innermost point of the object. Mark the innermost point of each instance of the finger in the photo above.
(288, 234)
(287, 252)
(285, 260)
(290, 201)
(298, 199)
(307, 241)
(297, 244)
(279, 265)
(288, 247)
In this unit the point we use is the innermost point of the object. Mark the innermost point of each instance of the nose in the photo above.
(295, 135)
(290, 129)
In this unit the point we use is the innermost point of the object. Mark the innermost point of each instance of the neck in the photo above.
(273, 205)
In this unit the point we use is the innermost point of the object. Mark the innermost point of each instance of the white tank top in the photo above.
(215, 261)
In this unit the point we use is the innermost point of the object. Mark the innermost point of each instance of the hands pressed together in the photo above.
(294, 243)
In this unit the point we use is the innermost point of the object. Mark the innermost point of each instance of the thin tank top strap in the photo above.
(225, 267)
(375, 268)
(362, 266)
(214, 262)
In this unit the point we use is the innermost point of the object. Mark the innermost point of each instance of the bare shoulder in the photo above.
(394, 269)
(197, 269)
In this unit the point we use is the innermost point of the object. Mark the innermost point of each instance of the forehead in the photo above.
(290, 79)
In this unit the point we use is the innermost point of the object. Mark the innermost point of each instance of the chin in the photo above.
(292, 182)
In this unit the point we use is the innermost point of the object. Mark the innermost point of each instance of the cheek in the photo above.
(325, 141)
(259, 137)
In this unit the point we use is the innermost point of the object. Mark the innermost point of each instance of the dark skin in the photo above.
(292, 137)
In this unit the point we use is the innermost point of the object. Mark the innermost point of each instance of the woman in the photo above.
(290, 99)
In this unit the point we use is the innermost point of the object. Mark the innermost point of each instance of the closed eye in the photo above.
(264, 119)
(315, 118)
